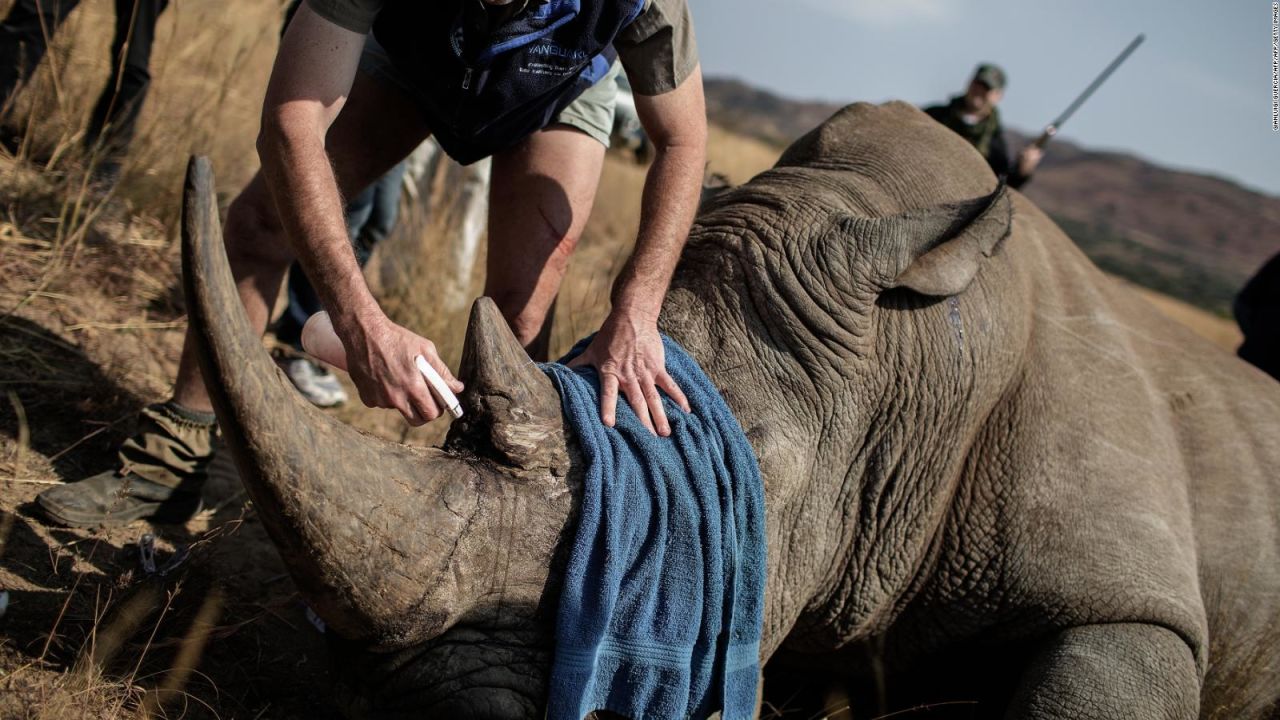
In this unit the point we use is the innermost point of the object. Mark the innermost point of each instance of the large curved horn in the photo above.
(512, 409)
(370, 530)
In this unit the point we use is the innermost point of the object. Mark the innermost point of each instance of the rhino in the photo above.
(991, 473)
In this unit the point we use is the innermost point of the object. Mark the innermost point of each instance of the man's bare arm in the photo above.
(312, 77)
(628, 350)
(301, 103)
(676, 123)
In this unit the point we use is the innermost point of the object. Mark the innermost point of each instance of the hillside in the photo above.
(1189, 235)
(756, 113)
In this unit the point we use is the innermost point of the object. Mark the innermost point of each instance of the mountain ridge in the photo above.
(1194, 235)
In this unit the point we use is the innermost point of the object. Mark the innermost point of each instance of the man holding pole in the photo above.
(975, 117)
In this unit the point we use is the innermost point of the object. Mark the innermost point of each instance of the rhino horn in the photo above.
(334, 501)
(512, 411)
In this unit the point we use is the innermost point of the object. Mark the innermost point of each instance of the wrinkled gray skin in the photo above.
(981, 456)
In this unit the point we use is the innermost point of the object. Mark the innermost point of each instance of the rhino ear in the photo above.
(938, 251)
(512, 411)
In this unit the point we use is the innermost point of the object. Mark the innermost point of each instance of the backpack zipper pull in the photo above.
(466, 79)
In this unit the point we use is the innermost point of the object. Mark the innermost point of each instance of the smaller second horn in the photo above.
(512, 409)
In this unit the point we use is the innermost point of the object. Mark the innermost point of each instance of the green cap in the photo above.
(990, 75)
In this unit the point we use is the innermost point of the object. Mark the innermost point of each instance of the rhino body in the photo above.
(1003, 473)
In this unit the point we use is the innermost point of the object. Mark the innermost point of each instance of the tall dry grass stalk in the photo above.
(172, 690)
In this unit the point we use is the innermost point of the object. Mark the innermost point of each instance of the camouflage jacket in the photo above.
(986, 136)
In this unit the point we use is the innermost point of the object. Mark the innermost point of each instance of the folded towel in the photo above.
(662, 606)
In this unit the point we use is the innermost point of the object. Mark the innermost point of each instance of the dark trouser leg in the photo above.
(24, 36)
(383, 198)
(115, 117)
(1123, 671)
(303, 303)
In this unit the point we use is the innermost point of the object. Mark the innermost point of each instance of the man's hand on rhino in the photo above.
(628, 354)
(380, 358)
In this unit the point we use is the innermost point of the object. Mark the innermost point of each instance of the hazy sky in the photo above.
(1196, 95)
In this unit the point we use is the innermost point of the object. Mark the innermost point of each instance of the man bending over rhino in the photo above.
(356, 86)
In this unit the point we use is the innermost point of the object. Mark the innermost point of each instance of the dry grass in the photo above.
(91, 321)
(209, 68)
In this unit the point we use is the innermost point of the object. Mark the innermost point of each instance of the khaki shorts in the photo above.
(591, 112)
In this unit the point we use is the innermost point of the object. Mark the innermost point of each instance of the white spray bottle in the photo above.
(320, 339)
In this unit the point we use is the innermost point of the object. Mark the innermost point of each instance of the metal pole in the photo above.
(1052, 128)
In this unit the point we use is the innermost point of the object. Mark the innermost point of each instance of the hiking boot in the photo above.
(110, 499)
(161, 474)
(314, 381)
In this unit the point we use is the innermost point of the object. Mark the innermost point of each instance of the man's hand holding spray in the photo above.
(321, 340)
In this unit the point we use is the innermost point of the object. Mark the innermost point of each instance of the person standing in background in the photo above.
(1257, 311)
(975, 117)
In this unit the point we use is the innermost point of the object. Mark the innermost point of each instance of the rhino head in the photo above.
(819, 282)
(433, 552)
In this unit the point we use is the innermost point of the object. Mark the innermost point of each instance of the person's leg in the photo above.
(384, 210)
(540, 196)
(539, 200)
(311, 378)
(303, 302)
(24, 36)
(115, 117)
(376, 129)
(359, 210)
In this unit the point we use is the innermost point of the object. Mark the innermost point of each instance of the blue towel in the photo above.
(663, 598)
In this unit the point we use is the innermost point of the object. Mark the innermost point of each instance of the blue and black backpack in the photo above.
(485, 89)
